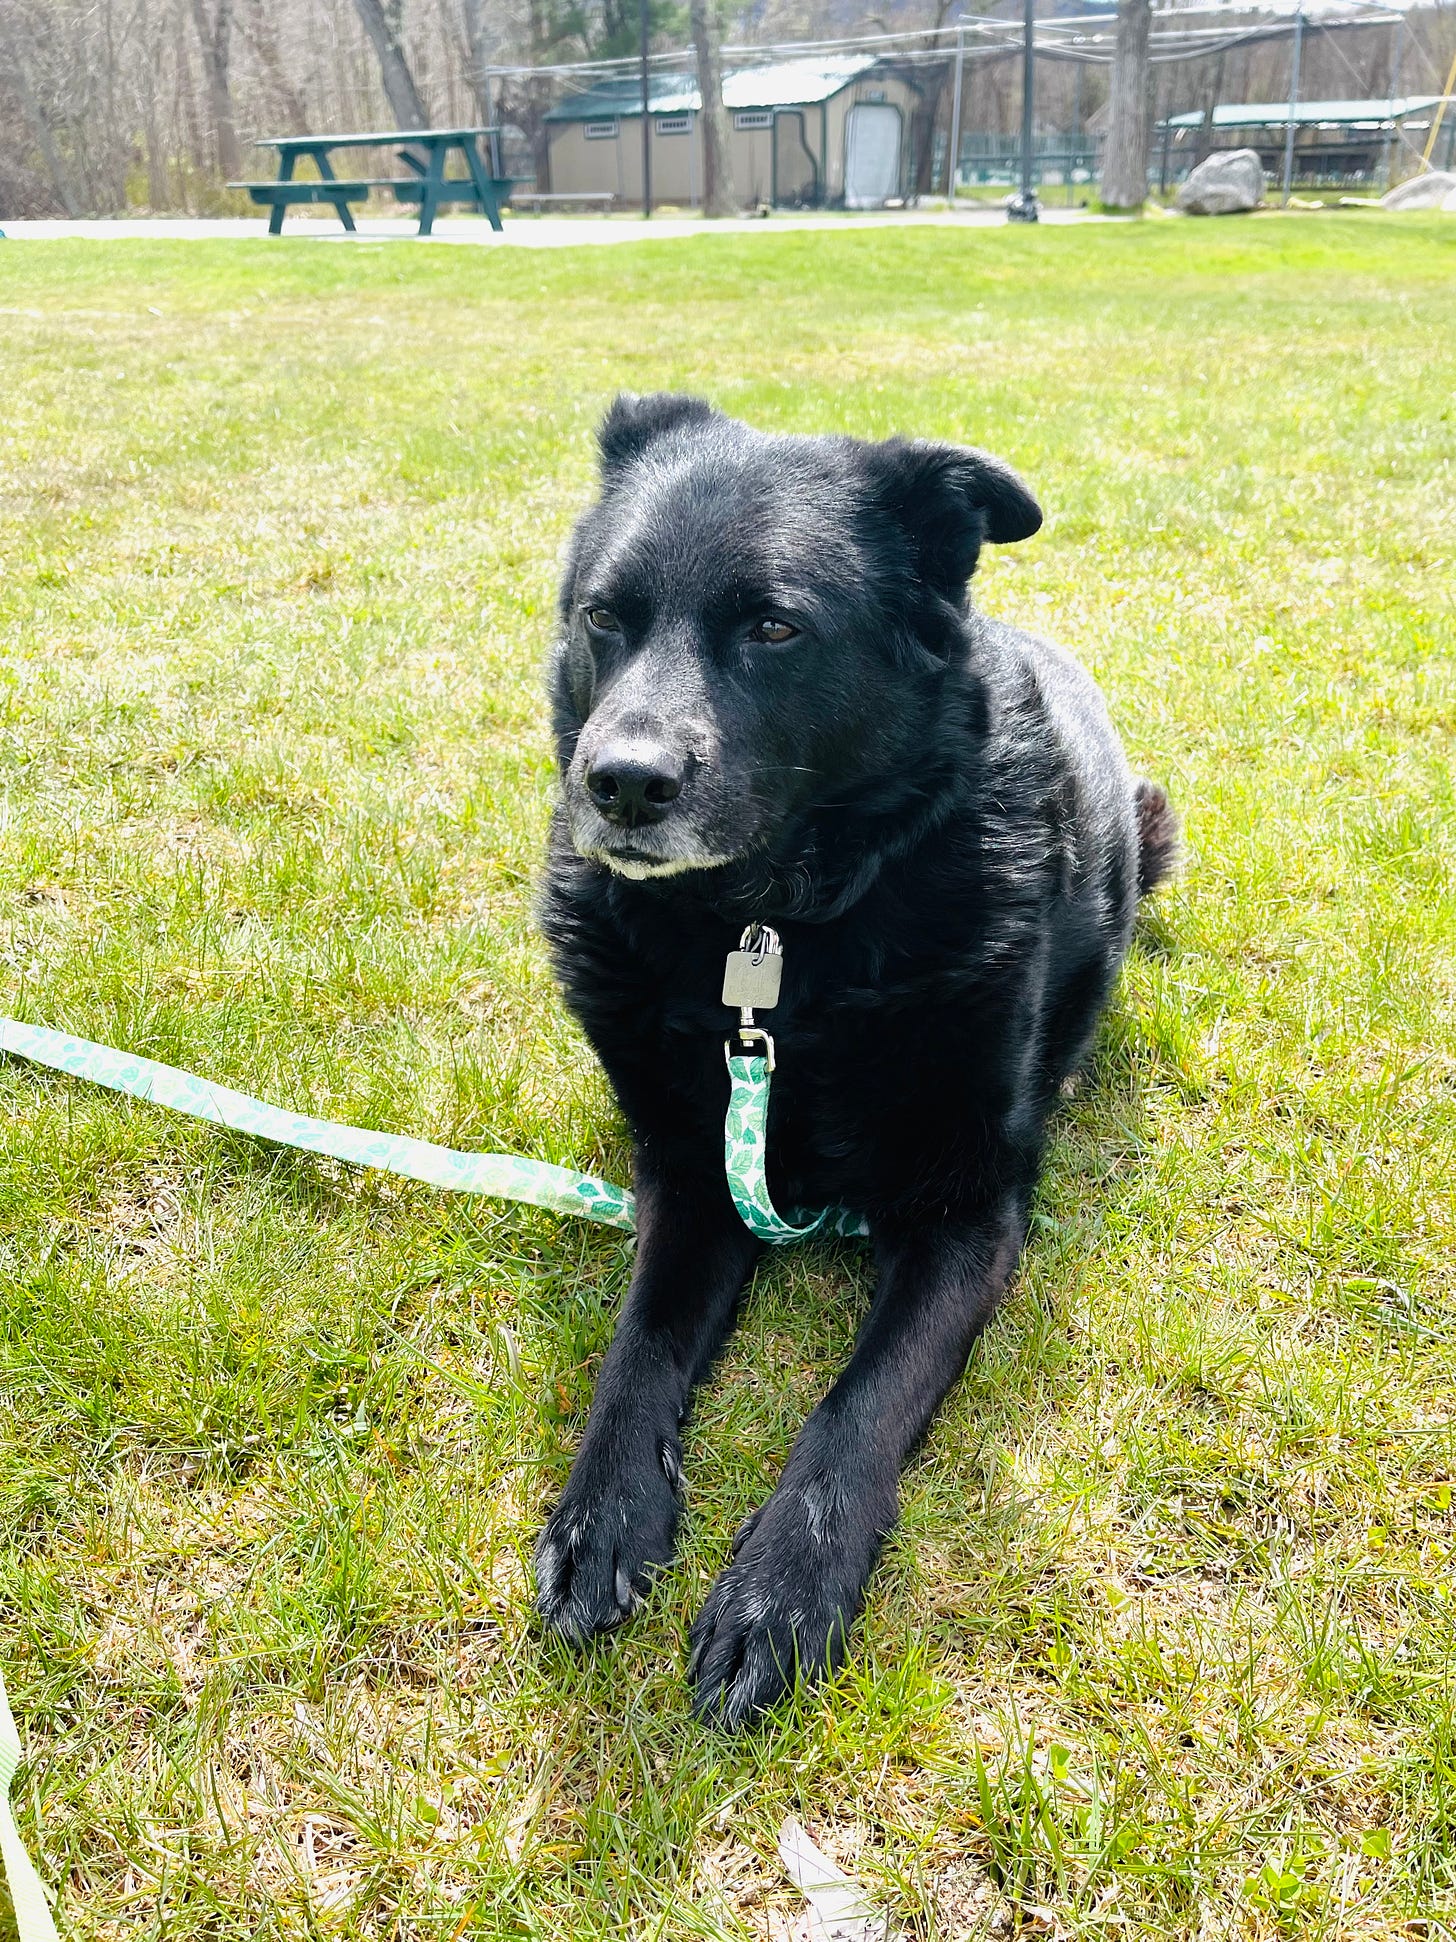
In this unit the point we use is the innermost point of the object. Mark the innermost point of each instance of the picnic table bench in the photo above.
(588, 198)
(424, 152)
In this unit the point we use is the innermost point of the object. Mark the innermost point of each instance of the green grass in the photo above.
(1164, 1645)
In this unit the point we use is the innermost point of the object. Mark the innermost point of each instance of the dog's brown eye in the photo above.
(601, 620)
(774, 632)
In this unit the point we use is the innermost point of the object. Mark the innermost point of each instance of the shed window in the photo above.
(674, 124)
(754, 118)
(600, 131)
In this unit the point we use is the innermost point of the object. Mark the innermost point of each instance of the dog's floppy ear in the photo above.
(950, 499)
(633, 423)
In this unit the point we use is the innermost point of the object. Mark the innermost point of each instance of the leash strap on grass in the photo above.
(745, 1134)
(745, 1148)
(32, 1915)
(501, 1174)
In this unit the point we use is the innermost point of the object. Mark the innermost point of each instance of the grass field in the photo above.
(1164, 1647)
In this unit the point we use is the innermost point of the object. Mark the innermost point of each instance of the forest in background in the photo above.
(109, 106)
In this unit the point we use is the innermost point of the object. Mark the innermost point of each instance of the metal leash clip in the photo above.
(751, 980)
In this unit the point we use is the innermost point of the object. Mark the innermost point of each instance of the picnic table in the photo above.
(424, 152)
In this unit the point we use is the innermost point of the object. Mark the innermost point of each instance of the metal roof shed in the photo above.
(1334, 140)
(802, 133)
(1311, 114)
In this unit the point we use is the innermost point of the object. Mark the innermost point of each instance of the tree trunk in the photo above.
(215, 39)
(191, 148)
(477, 59)
(1125, 157)
(1213, 94)
(928, 117)
(45, 140)
(258, 31)
(400, 92)
(159, 187)
(718, 196)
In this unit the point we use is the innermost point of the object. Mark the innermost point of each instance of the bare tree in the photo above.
(405, 102)
(934, 77)
(1212, 95)
(478, 57)
(718, 196)
(214, 37)
(35, 114)
(149, 103)
(1125, 158)
(102, 101)
(258, 31)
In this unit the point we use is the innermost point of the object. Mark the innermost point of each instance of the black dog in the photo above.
(774, 703)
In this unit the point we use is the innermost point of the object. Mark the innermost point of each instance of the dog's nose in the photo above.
(635, 782)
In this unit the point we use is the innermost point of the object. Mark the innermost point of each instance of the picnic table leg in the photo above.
(285, 174)
(484, 193)
(326, 173)
(434, 176)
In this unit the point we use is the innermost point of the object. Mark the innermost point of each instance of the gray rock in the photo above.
(1428, 191)
(1224, 185)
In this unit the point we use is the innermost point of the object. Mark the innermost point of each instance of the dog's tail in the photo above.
(1157, 834)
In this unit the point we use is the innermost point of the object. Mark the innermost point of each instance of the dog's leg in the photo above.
(800, 1563)
(618, 1515)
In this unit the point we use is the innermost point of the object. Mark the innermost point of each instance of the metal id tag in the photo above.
(753, 973)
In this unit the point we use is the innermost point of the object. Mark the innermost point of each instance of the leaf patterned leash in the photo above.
(752, 979)
(500, 1174)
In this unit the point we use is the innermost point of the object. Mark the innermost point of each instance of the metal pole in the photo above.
(955, 114)
(646, 123)
(1028, 98)
(1076, 161)
(1022, 208)
(1395, 67)
(1293, 101)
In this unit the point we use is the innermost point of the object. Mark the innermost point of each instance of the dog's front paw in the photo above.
(783, 1608)
(614, 1526)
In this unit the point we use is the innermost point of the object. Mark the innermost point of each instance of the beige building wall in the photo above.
(615, 163)
(581, 163)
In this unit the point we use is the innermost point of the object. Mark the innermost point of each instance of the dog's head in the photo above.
(756, 627)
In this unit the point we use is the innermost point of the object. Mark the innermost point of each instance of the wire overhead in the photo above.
(1086, 38)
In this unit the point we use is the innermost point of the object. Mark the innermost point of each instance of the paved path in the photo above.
(527, 232)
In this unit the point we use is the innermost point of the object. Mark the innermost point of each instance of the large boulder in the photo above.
(1428, 191)
(1224, 185)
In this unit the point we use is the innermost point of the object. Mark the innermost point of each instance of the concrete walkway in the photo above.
(525, 232)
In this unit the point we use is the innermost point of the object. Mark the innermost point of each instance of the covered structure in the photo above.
(1334, 141)
(803, 134)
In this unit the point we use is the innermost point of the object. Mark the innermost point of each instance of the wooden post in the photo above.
(1430, 147)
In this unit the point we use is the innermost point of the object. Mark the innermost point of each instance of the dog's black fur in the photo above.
(934, 811)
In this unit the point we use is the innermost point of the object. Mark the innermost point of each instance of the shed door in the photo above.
(871, 155)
